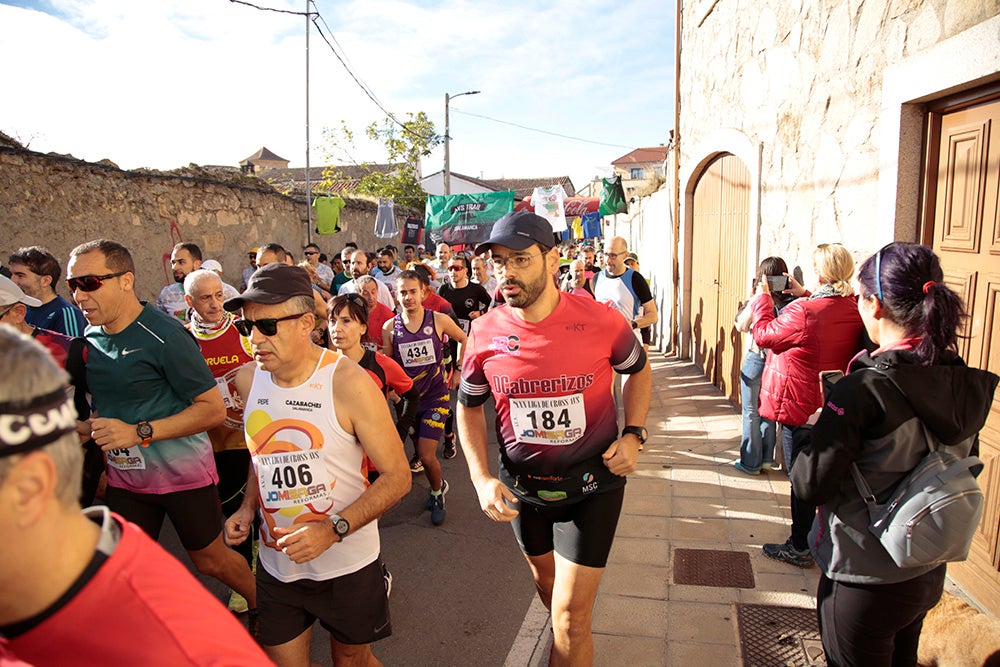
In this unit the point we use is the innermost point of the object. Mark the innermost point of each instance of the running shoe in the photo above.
(437, 506)
(237, 603)
(786, 553)
(773, 465)
(450, 451)
(743, 469)
(430, 500)
(416, 465)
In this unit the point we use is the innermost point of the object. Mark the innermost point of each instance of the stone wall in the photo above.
(803, 82)
(59, 202)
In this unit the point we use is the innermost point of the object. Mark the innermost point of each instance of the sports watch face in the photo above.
(144, 430)
(340, 525)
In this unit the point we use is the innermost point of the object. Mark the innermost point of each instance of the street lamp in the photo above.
(447, 154)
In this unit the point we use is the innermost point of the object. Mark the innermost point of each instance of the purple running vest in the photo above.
(421, 355)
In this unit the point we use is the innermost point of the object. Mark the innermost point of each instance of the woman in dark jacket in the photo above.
(870, 610)
(819, 332)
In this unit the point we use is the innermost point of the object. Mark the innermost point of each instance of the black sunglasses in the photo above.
(90, 283)
(267, 326)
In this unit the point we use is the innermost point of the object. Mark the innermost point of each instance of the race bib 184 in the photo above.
(548, 421)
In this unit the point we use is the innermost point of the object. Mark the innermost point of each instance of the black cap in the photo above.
(274, 283)
(519, 231)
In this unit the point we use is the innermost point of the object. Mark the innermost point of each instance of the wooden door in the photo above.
(719, 276)
(964, 230)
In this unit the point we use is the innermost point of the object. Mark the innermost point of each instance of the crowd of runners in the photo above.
(269, 424)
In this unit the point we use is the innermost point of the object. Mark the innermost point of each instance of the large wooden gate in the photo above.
(719, 276)
(962, 225)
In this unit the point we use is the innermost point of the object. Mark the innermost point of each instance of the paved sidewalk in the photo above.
(685, 494)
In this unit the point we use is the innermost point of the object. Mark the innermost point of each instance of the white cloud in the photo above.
(162, 83)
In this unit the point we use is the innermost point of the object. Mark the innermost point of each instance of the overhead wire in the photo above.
(271, 9)
(534, 129)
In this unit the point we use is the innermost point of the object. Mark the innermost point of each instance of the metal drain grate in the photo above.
(779, 636)
(708, 567)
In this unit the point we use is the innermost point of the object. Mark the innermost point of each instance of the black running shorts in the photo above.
(195, 514)
(580, 532)
(354, 608)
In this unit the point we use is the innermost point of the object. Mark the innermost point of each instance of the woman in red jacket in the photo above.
(821, 331)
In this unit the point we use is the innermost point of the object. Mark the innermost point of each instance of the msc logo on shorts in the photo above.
(507, 345)
(589, 485)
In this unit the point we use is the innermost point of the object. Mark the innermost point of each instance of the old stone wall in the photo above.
(803, 80)
(59, 202)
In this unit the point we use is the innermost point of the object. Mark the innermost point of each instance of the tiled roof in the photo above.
(523, 187)
(346, 178)
(643, 156)
(262, 154)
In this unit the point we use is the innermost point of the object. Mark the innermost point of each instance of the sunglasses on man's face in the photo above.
(90, 283)
(267, 326)
(311, 252)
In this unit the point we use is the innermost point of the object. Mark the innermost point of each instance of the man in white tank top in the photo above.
(310, 416)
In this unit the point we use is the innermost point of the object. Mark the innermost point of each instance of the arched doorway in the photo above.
(719, 279)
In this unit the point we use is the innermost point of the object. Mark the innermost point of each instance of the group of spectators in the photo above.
(801, 386)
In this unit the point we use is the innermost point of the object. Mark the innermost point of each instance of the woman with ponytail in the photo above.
(870, 610)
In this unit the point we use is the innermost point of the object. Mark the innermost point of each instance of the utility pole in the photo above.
(309, 225)
(447, 138)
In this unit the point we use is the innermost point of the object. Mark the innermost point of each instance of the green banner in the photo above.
(465, 218)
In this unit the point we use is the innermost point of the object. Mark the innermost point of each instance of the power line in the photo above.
(271, 9)
(364, 88)
(533, 129)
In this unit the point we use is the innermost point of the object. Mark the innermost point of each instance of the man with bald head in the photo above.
(626, 290)
(576, 281)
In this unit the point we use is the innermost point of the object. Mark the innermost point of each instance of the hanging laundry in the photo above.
(413, 231)
(548, 203)
(592, 225)
(385, 219)
(328, 213)
(577, 228)
(612, 196)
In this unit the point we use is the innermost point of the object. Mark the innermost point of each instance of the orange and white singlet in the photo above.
(308, 468)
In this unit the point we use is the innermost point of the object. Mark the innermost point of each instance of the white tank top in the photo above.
(308, 468)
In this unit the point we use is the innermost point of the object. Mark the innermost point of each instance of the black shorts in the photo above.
(195, 514)
(354, 608)
(580, 532)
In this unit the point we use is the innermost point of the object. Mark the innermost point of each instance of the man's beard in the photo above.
(178, 278)
(528, 295)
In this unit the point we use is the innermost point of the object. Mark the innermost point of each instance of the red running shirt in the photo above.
(551, 381)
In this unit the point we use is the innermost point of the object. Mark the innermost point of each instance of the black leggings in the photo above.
(875, 625)
(233, 466)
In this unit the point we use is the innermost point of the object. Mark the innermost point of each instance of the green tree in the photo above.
(405, 142)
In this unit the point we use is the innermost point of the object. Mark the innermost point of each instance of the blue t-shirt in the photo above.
(152, 369)
(58, 315)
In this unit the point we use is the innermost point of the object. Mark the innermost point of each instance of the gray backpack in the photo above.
(934, 512)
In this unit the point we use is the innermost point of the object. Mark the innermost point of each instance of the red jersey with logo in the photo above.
(225, 352)
(136, 606)
(555, 410)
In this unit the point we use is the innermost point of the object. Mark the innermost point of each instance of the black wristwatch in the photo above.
(340, 525)
(145, 432)
(638, 431)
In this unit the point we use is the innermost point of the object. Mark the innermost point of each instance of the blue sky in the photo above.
(162, 83)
